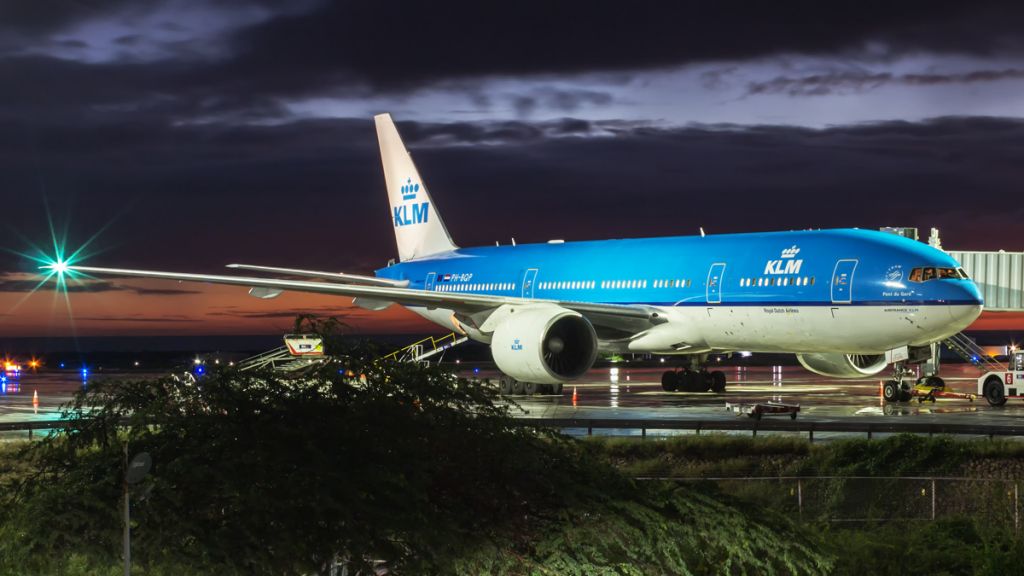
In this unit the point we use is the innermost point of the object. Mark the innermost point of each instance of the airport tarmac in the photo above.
(633, 393)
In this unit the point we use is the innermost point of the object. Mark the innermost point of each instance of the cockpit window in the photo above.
(925, 274)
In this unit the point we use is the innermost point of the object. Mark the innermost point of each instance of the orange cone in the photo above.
(35, 398)
(575, 396)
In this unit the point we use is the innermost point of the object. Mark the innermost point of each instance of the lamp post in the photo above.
(135, 471)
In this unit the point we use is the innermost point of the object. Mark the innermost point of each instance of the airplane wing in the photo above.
(622, 317)
(334, 276)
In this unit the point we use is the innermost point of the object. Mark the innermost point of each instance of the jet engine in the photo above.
(843, 365)
(544, 344)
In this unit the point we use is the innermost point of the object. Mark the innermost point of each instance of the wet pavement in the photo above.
(630, 393)
(635, 393)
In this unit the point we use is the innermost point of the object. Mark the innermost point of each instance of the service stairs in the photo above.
(279, 359)
(427, 348)
(971, 352)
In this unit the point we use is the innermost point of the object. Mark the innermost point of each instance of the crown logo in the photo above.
(409, 189)
(790, 252)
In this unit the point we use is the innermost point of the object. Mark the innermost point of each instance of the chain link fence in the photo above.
(865, 499)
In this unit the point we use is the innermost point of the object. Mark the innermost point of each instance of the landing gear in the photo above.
(670, 381)
(697, 379)
(509, 386)
(899, 388)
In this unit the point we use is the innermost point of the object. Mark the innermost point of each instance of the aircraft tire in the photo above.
(505, 385)
(670, 381)
(517, 388)
(690, 381)
(994, 392)
(891, 391)
(555, 389)
(717, 379)
(531, 388)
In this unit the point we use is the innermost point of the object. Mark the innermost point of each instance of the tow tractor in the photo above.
(927, 391)
(999, 386)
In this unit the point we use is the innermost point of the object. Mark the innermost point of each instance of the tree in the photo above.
(258, 474)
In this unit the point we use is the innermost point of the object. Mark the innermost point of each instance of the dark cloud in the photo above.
(161, 291)
(859, 81)
(138, 319)
(88, 286)
(51, 285)
(397, 44)
(340, 313)
(311, 194)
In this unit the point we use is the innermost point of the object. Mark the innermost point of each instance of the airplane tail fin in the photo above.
(419, 230)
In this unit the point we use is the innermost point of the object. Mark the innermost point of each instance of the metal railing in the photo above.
(971, 352)
(266, 358)
(426, 348)
(810, 427)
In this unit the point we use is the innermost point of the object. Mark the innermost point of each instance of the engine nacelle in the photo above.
(843, 365)
(545, 344)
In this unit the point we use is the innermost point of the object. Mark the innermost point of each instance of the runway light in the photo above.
(197, 361)
(85, 373)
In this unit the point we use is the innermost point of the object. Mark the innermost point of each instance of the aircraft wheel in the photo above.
(935, 382)
(505, 385)
(555, 389)
(891, 391)
(531, 388)
(669, 381)
(994, 392)
(517, 387)
(692, 382)
(717, 382)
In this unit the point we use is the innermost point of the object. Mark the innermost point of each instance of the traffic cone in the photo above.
(575, 396)
(35, 398)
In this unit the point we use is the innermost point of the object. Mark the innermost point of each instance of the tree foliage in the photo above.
(258, 474)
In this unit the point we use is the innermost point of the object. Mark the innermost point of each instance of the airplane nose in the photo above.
(967, 304)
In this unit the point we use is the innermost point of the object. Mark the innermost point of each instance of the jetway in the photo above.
(999, 275)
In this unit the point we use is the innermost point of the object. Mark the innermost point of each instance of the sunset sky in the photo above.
(184, 136)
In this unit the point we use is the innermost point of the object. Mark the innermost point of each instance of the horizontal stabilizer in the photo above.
(332, 276)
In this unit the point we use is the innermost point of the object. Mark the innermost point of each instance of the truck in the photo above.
(998, 386)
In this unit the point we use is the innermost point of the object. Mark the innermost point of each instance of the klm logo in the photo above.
(516, 346)
(409, 190)
(787, 264)
(410, 213)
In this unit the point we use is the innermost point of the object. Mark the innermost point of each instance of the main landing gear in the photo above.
(694, 379)
(509, 386)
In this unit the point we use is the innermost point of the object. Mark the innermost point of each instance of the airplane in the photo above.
(847, 302)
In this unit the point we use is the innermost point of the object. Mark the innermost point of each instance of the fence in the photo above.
(863, 499)
(809, 427)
